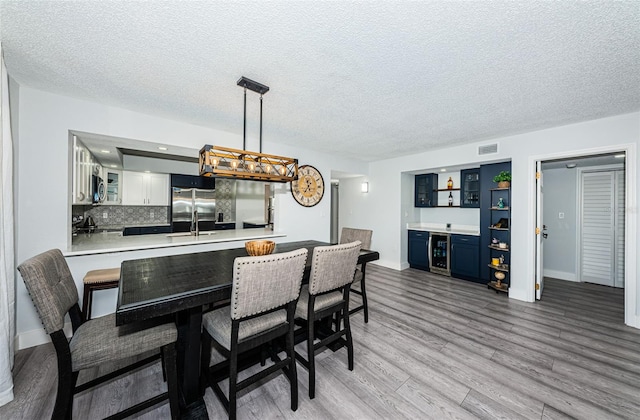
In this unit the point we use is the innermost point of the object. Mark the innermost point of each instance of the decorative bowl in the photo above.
(499, 275)
(256, 248)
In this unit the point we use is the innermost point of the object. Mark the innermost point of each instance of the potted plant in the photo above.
(503, 179)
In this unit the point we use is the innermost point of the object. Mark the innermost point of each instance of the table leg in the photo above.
(189, 324)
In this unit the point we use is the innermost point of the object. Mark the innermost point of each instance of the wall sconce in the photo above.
(364, 187)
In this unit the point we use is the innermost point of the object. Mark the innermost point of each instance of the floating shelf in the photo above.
(447, 189)
(494, 285)
(444, 207)
(497, 248)
(503, 267)
(499, 189)
(498, 208)
(495, 228)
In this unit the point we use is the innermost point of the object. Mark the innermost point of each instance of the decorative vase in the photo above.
(504, 184)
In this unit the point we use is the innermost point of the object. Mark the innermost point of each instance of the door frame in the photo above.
(630, 252)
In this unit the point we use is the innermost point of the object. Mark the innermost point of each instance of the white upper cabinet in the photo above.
(84, 165)
(145, 189)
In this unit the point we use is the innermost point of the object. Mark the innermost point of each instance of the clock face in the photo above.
(308, 189)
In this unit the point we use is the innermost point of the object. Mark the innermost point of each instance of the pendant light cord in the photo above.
(260, 123)
(244, 130)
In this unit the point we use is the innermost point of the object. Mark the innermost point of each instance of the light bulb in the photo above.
(251, 166)
(214, 161)
(282, 170)
(234, 164)
(268, 168)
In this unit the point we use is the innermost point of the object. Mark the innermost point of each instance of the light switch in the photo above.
(151, 214)
(561, 215)
(105, 215)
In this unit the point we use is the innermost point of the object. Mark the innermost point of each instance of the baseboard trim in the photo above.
(6, 396)
(518, 294)
(560, 275)
(37, 337)
(634, 321)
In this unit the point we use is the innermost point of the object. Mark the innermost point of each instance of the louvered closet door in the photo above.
(598, 234)
(619, 229)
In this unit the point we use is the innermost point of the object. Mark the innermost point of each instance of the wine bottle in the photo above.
(450, 183)
(450, 200)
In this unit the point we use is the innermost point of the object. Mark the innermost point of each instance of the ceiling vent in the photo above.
(488, 149)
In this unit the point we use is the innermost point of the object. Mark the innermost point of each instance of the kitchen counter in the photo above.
(442, 227)
(107, 242)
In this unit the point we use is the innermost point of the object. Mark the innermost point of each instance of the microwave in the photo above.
(98, 190)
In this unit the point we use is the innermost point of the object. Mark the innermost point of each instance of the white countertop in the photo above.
(106, 242)
(442, 227)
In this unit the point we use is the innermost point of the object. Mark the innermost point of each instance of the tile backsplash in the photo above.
(117, 217)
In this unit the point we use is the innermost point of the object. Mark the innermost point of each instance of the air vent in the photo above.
(488, 149)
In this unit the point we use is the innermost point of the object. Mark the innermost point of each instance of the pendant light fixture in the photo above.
(234, 163)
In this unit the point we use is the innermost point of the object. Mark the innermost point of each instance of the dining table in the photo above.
(181, 286)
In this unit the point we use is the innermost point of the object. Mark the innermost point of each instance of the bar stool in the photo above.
(107, 278)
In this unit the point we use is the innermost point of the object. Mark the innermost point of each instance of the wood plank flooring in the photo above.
(434, 347)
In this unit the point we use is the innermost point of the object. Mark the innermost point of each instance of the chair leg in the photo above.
(363, 290)
(86, 303)
(63, 408)
(292, 374)
(205, 359)
(169, 363)
(347, 328)
(311, 358)
(233, 382)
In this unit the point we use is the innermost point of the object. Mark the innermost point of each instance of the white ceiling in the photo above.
(369, 80)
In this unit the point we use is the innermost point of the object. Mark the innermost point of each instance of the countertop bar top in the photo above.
(107, 242)
(442, 227)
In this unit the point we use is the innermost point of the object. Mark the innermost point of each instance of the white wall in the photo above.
(43, 176)
(560, 196)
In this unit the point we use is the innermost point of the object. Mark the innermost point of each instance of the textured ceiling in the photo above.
(364, 79)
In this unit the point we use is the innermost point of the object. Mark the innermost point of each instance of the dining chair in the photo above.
(327, 295)
(363, 235)
(94, 342)
(264, 293)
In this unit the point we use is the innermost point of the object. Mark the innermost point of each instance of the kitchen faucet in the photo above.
(194, 224)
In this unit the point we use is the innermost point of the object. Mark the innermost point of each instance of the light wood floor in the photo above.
(434, 347)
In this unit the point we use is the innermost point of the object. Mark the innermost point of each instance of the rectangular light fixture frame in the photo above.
(225, 162)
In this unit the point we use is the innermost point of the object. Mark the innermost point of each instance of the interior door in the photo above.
(597, 241)
(539, 233)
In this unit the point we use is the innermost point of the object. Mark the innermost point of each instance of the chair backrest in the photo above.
(333, 266)
(266, 282)
(51, 286)
(350, 235)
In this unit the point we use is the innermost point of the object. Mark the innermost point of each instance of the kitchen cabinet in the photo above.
(470, 188)
(84, 166)
(425, 194)
(418, 249)
(145, 189)
(113, 181)
(465, 257)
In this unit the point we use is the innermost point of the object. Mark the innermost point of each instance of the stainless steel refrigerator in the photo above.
(185, 202)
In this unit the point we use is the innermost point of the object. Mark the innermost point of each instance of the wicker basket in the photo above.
(504, 184)
(256, 248)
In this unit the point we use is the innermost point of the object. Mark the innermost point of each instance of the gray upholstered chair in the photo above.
(94, 342)
(263, 301)
(363, 235)
(326, 295)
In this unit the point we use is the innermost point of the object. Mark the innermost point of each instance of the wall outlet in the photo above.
(105, 215)
(151, 214)
(560, 215)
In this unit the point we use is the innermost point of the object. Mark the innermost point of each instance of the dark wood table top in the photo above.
(152, 287)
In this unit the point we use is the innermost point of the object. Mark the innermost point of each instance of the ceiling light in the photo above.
(106, 151)
(233, 163)
(571, 165)
(162, 148)
(619, 156)
(114, 166)
(364, 187)
(443, 170)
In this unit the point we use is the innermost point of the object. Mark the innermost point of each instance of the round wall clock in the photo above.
(308, 189)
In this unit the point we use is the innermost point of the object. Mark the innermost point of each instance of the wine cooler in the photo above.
(439, 253)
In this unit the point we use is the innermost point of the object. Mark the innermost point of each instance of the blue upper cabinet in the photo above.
(425, 186)
(470, 188)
